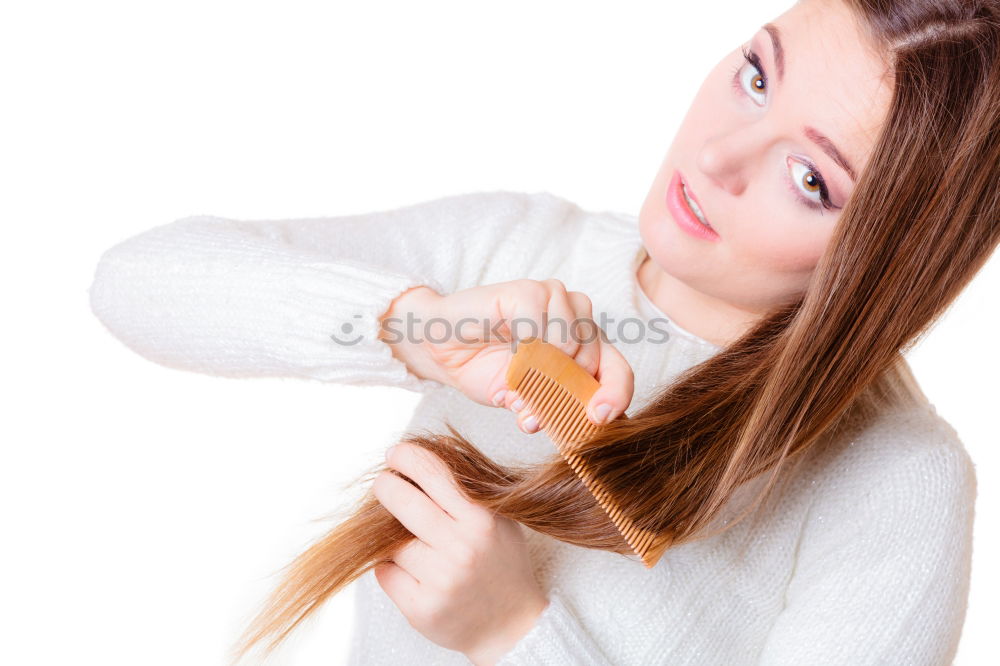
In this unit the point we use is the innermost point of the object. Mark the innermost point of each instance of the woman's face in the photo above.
(749, 151)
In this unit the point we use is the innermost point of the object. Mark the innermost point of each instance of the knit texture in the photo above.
(864, 558)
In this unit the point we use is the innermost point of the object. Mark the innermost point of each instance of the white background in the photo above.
(144, 508)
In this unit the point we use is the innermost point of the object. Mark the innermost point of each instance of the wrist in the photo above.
(407, 345)
(504, 640)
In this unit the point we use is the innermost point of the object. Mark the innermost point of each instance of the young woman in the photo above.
(830, 192)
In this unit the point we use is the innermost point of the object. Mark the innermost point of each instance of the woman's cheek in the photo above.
(791, 250)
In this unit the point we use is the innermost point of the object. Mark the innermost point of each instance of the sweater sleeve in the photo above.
(882, 572)
(556, 639)
(303, 297)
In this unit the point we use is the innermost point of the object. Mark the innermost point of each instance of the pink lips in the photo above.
(683, 215)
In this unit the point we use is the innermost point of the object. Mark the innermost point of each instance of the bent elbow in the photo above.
(131, 291)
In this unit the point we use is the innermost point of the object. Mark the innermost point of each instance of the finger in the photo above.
(398, 585)
(584, 331)
(419, 560)
(435, 478)
(527, 422)
(617, 385)
(413, 508)
(535, 311)
(497, 386)
(516, 404)
(560, 314)
(513, 401)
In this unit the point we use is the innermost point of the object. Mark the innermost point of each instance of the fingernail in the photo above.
(388, 451)
(517, 405)
(601, 412)
(498, 396)
(530, 424)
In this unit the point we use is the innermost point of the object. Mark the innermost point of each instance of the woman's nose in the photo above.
(730, 158)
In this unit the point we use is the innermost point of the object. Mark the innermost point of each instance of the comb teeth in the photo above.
(557, 389)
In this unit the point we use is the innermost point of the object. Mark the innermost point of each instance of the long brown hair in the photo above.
(923, 219)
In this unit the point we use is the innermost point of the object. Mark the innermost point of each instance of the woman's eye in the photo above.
(750, 78)
(805, 181)
(753, 82)
(809, 182)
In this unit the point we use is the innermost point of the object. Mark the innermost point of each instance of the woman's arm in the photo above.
(304, 297)
(882, 572)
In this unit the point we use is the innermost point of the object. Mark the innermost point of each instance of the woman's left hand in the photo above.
(466, 581)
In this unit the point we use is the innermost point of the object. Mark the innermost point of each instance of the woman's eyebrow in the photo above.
(817, 137)
(779, 51)
(826, 145)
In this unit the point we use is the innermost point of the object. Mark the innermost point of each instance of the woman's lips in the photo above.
(682, 213)
(687, 190)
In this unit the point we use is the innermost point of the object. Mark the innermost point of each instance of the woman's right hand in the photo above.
(465, 340)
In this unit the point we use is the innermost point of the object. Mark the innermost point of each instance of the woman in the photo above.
(840, 166)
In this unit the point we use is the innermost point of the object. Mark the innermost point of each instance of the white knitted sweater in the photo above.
(865, 559)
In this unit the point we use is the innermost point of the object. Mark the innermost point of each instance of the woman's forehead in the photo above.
(830, 79)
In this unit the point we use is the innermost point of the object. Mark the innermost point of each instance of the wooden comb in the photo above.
(557, 389)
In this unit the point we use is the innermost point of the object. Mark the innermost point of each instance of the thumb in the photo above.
(617, 386)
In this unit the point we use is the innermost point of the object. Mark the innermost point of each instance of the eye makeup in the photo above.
(750, 57)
